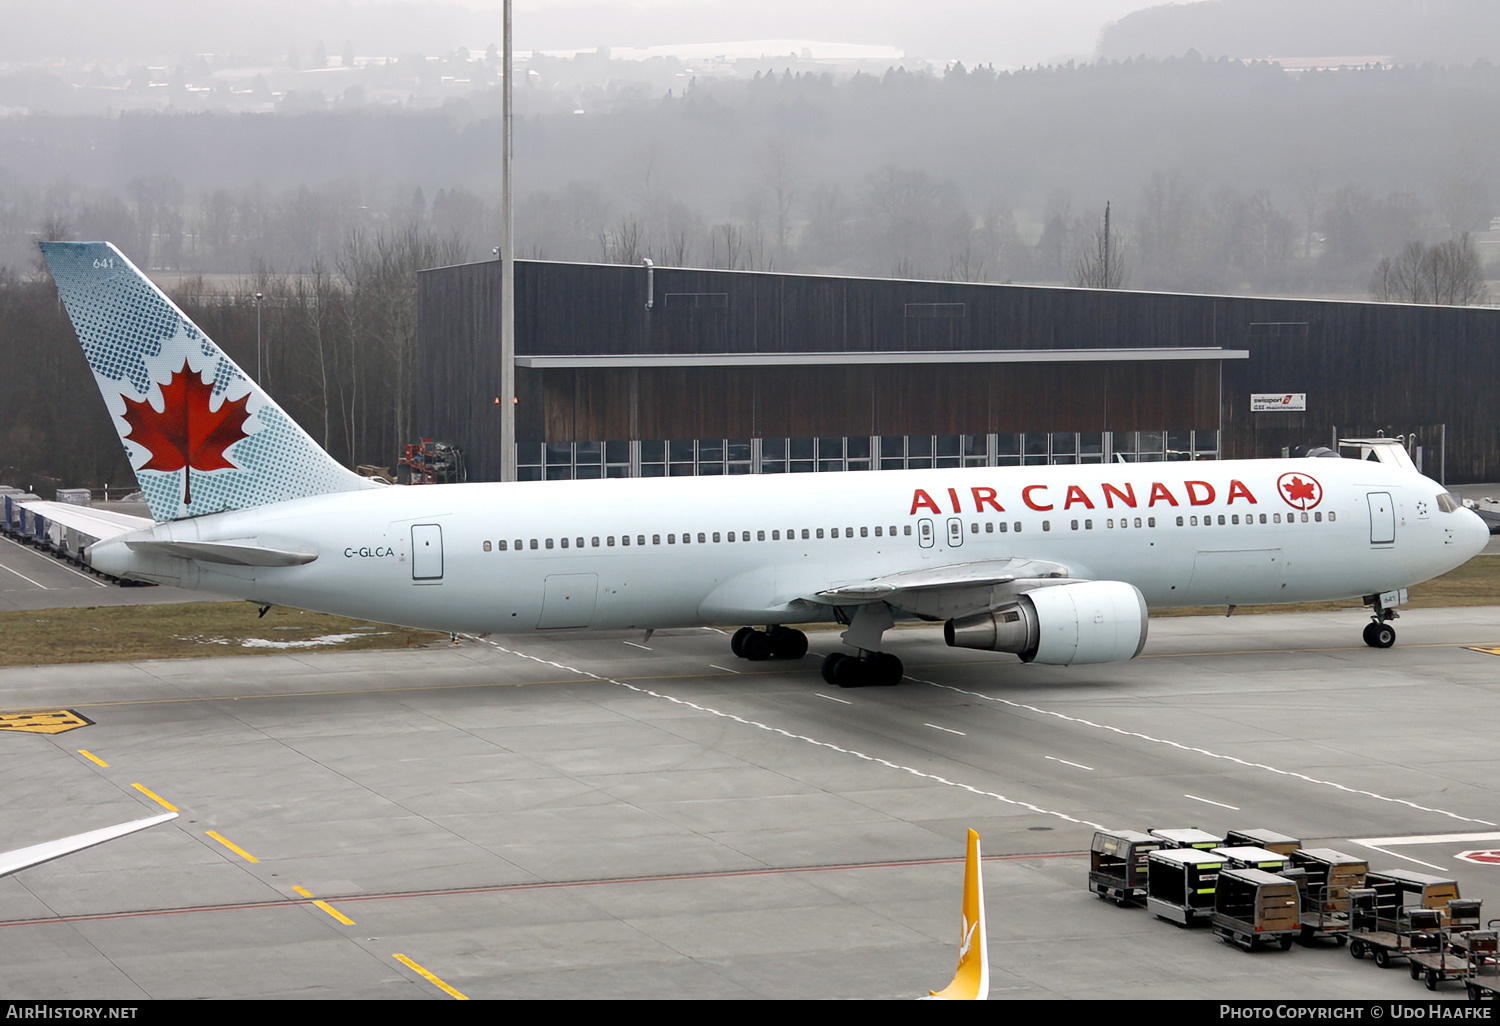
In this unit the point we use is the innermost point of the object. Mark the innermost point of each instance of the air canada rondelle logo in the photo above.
(1299, 491)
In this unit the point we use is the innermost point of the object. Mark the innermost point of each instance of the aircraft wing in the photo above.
(942, 592)
(96, 523)
(36, 854)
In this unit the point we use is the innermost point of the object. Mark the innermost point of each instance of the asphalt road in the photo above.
(606, 816)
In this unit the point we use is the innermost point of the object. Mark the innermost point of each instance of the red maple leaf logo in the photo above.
(1300, 491)
(186, 435)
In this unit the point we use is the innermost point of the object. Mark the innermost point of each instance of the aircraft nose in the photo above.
(1479, 532)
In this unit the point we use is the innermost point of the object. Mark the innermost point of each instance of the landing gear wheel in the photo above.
(1379, 634)
(878, 670)
(787, 643)
(885, 670)
(737, 642)
(756, 647)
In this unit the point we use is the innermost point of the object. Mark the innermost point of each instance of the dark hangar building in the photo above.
(626, 370)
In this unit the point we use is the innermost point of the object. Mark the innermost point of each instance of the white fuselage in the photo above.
(652, 553)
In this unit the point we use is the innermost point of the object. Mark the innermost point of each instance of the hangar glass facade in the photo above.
(561, 461)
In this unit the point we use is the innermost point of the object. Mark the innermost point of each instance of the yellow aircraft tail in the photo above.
(971, 982)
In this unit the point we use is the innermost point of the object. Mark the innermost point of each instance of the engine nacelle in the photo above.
(1086, 622)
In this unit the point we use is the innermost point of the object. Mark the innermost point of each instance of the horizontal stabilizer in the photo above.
(36, 854)
(234, 553)
(96, 523)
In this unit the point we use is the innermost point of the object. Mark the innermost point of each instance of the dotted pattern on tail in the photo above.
(135, 339)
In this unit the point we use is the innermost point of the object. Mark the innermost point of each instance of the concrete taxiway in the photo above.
(611, 816)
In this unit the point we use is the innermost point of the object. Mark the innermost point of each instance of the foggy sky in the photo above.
(1005, 33)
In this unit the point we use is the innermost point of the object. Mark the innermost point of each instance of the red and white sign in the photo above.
(1299, 491)
(1487, 857)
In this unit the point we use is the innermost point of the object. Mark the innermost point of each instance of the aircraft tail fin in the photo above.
(200, 434)
(971, 982)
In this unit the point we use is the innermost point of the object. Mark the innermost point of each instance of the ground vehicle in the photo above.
(1251, 906)
(1329, 876)
(1117, 865)
(1180, 884)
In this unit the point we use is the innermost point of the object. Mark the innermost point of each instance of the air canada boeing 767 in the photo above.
(1056, 564)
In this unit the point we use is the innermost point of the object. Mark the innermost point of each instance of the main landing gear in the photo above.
(775, 642)
(873, 669)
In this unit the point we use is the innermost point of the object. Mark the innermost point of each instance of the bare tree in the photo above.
(1448, 273)
(1101, 265)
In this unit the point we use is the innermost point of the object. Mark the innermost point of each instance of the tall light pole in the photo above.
(259, 368)
(507, 396)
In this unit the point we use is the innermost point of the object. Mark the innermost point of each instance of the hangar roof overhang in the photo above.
(924, 357)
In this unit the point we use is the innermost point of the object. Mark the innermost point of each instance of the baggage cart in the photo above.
(1253, 857)
(1187, 837)
(1252, 906)
(1398, 889)
(1483, 981)
(1180, 884)
(1331, 875)
(1281, 844)
(1414, 929)
(1117, 865)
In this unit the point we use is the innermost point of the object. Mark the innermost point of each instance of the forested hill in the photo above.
(1410, 31)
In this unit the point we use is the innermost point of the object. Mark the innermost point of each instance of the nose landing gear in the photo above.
(1378, 632)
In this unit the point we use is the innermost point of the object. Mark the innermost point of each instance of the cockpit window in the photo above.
(1447, 503)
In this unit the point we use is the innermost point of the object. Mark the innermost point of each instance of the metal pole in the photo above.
(507, 394)
(259, 370)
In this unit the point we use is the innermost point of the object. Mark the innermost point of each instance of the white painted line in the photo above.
(1065, 762)
(945, 730)
(23, 577)
(643, 648)
(716, 666)
(1122, 732)
(1384, 844)
(804, 739)
(1207, 801)
(1398, 855)
(832, 698)
(1375, 842)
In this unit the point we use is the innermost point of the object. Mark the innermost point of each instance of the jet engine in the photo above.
(1085, 622)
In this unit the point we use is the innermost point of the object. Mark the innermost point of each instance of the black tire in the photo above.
(1379, 634)
(756, 647)
(1357, 949)
(851, 672)
(787, 643)
(885, 670)
(830, 663)
(1286, 943)
(737, 641)
(1416, 971)
(1340, 940)
(1382, 958)
(1430, 981)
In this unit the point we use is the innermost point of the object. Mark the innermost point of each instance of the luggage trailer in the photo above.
(1180, 884)
(1406, 930)
(1463, 947)
(1483, 981)
(1253, 906)
(1270, 840)
(1330, 876)
(1117, 865)
(1187, 837)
